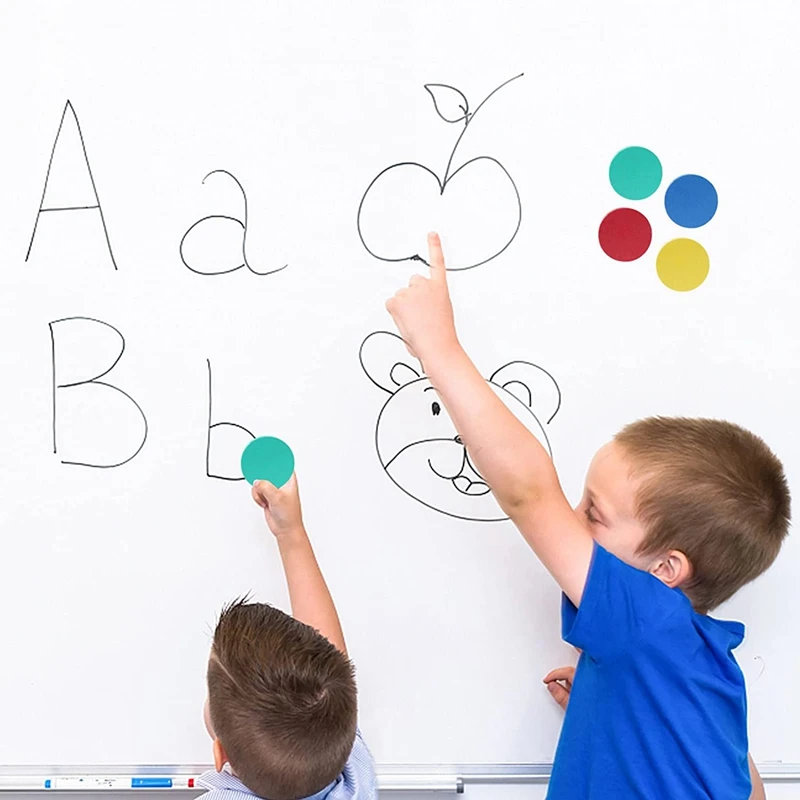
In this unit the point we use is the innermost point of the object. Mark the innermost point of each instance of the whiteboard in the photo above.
(244, 221)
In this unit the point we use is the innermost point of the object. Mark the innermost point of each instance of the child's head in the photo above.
(702, 504)
(281, 702)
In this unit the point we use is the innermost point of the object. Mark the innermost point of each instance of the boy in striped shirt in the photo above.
(281, 705)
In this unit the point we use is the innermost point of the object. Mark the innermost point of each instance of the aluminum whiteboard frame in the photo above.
(428, 778)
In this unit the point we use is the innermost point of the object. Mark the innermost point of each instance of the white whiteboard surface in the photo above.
(111, 578)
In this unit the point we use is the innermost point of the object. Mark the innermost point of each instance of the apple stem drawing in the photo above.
(467, 116)
(452, 106)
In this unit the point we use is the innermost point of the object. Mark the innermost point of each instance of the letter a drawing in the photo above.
(69, 184)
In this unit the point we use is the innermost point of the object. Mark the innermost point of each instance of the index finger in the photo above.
(436, 258)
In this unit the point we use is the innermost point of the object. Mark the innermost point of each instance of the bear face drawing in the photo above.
(416, 441)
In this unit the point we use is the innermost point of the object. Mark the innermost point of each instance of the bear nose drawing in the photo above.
(458, 440)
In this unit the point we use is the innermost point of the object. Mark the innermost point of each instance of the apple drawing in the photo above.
(479, 215)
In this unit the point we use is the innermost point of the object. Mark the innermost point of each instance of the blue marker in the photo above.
(151, 783)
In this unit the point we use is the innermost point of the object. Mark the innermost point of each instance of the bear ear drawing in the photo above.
(531, 385)
(387, 362)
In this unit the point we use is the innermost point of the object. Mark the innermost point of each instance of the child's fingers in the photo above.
(559, 694)
(392, 302)
(436, 258)
(260, 501)
(559, 684)
(264, 493)
(565, 674)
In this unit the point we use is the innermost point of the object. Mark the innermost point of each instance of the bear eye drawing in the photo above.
(436, 409)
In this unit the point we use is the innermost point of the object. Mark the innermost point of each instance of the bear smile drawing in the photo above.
(416, 441)
(467, 480)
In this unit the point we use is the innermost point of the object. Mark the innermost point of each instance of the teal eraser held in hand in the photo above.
(268, 459)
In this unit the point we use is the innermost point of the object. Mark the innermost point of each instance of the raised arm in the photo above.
(308, 593)
(510, 458)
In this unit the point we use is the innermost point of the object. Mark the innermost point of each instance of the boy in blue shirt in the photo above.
(281, 705)
(676, 516)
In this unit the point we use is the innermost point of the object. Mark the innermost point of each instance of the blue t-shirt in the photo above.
(658, 706)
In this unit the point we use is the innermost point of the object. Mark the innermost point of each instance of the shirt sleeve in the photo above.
(620, 605)
(359, 779)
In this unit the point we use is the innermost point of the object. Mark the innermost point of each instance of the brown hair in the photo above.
(282, 701)
(715, 492)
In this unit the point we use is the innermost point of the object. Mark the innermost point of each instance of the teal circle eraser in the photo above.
(268, 459)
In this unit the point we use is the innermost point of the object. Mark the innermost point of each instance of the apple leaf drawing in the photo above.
(450, 104)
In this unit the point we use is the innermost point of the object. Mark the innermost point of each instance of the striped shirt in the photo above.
(357, 781)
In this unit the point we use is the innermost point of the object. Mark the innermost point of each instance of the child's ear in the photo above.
(220, 756)
(674, 569)
(531, 385)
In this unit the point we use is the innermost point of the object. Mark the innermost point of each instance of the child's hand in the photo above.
(559, 684)
(423, 312)
(281, 507)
